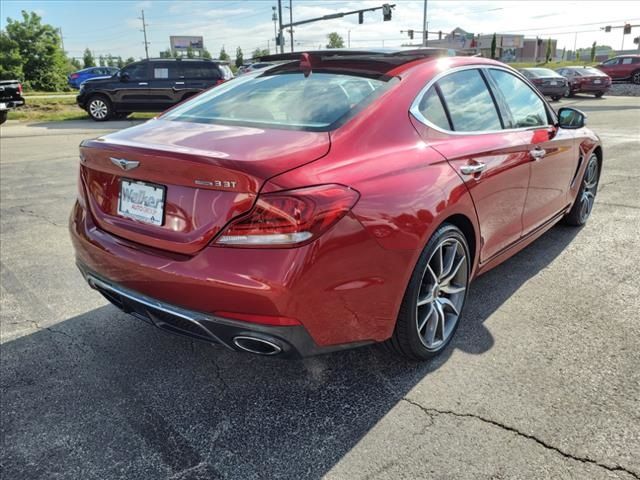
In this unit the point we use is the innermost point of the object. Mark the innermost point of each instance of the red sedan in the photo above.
(586, 80)
(334, 200)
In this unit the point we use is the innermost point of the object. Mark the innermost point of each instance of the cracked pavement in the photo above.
(542, 381)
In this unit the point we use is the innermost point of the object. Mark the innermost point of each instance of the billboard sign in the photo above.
(182, 43)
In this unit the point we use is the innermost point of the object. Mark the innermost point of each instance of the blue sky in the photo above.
(113, 26)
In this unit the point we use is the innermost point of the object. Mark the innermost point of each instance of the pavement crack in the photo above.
(218, 373)
(37, 215)
(72, 339)
(433, 412)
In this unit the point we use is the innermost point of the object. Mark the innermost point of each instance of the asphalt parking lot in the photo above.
(542, 381)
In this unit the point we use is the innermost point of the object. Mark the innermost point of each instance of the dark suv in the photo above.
(149, 86)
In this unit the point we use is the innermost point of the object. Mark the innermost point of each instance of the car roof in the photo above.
(207, 60)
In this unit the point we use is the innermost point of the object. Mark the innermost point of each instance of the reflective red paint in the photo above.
(346, 284)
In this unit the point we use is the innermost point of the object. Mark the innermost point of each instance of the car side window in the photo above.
(165, 71)
(526, 107)
(432, 109)
(613, 61)
(627, 61)
(136, 71)
(200, 71)
(469, 103)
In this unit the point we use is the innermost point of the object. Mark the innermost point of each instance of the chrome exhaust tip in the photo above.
(256, 345)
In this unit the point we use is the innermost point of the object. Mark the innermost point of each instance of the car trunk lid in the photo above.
(211, 174)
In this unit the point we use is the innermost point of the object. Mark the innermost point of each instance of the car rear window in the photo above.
(588, 71)
(282, 100)
(542, 72)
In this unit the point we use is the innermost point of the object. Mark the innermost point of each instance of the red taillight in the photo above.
(74, 76)
(290, 217)
(538, 81)
(20, 88)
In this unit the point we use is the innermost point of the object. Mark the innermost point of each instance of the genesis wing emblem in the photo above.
(124, 164)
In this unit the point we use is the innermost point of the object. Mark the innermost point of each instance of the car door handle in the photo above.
(143, 83)
(473, 169)
(537, 153)
(179, 83)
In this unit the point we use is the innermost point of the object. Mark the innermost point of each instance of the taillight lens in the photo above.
(74, 76)
(20, 88)
(290, 217)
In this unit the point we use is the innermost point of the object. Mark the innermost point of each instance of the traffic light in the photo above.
(360, 18)
(607, 28)
(386, 12)
(410, 32)
(627, 28)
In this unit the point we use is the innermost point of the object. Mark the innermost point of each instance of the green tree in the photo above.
(129, 60)
(101, 60)
(564, 51)
(166, 54)
(10, 59)
(75, 63)
(335, 40)
(223, 54)
(206, 54)
(239, 59)
(88, 59)
(593, 52)
(548, 55)
(190, 52)
(44, 63)
(110, 60)
(119, 62)
(259, 52)
(493, 46)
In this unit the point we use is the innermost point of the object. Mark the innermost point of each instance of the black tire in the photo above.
(99, 108)
(3, 116)
(556, 98)
(635, 77)
(580, 211)
(407, 339)
(599, 94)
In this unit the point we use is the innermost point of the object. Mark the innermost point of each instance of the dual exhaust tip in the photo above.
(257, 345)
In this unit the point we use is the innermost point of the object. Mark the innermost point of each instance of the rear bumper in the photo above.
(290, 341)
(339, 297)
(6, 105)
(552, 91)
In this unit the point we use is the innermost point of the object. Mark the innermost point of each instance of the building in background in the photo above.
(510, 47)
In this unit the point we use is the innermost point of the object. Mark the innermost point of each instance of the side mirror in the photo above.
(571, 118)
(124, 77)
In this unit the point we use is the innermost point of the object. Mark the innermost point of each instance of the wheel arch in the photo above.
(467, 228)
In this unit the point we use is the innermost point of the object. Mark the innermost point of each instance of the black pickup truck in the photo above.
(10, 97)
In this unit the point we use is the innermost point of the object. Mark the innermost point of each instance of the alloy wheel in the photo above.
(98, 109)
(589, 188)
(442, 293)
(636, 78)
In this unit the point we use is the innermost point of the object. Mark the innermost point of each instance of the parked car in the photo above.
(10, 97)
(585, 80)
(152, 85)
(624, 67)
(547, 81)
(253, 67)
(335, 200)
(75, 79)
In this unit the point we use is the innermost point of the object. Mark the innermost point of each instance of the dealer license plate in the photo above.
(553, 82)
(141, 201)
(597, 81)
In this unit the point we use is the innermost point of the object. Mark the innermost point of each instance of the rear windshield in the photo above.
(542, 72)
(282, 100)
(587, 71)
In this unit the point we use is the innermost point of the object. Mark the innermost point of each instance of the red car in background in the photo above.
(337, 199)
(624, 67)
(585, 80)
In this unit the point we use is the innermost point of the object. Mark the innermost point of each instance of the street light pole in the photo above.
(424, 25)
(290, 23)
(349, 38)
(280, 38)
(274, 17)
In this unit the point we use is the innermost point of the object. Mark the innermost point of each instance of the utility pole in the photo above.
(425, 34)
(280, 37)
(144, 30)
(349, 38)
(291, 23)
(274, 17)
(61, 38)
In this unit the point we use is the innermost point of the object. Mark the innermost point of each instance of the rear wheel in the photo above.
(635, 77)
(582, 207)
(3, 116)
(434, 299)
(599, 94)
(99, 108)
(555, 98)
